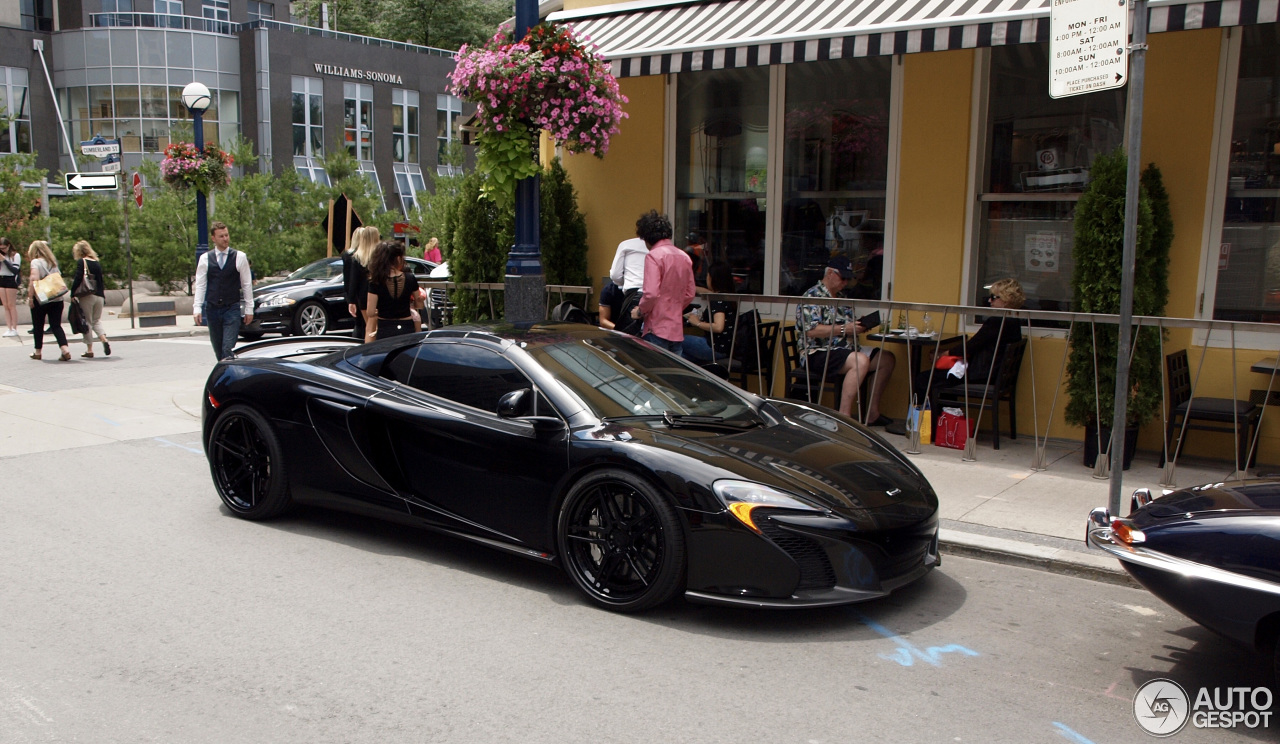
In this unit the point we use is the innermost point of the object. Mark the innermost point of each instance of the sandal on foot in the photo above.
(35, 355)
(66, 356)
(106, 347)
(87, 355)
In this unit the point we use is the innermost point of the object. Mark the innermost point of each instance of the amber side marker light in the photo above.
(743, 511)
(1126, 533)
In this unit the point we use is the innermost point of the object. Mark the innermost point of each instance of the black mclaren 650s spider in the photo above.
(639, 474)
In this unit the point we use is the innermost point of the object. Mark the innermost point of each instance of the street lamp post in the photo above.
(196, 98)
(525, 291)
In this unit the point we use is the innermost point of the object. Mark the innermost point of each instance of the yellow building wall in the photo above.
(614, 191)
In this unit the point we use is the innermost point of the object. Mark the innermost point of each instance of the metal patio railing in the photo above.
(781, 307)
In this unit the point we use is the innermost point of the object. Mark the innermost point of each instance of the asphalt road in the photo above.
(136, 609)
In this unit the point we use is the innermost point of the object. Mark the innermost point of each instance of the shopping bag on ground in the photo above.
(954, 429)
(920, 418)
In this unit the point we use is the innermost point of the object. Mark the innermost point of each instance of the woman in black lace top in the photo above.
(393, 292)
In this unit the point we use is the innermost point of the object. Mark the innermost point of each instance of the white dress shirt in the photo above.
(628, 264)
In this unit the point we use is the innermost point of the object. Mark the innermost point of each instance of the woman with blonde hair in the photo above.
(432, 251)
(355, 273)
(10, 278)
(87, 289)
(43, 264)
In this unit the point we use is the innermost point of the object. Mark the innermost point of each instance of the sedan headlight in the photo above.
(276, 301)
(743, 497)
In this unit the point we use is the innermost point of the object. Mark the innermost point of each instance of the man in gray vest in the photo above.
(224, 291)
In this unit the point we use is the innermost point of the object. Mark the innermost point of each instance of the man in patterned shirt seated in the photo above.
(828, 338)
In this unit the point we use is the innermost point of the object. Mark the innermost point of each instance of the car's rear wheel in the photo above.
(310, 319)
(621, 541)
(246, 460)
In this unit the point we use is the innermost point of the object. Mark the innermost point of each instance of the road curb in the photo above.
(171, 333)
(1030, 555)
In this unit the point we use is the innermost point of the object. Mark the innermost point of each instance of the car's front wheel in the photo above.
(247, 464)
(621, 541)
(310, 319)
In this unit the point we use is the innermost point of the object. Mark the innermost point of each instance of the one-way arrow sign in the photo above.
(91, 182)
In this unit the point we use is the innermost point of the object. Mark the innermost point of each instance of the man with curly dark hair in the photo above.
(668, 283)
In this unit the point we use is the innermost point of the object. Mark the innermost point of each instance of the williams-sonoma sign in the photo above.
(350, 72)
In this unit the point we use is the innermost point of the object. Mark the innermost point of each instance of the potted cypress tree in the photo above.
(1095, 283)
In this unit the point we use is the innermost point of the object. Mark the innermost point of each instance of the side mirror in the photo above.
(516, 403)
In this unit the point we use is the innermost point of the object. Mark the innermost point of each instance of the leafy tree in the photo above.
(163, 232)
(20, 217)
(444, 24)
(481, 239)
(97, 218)
(274, 218)
(1098, 254)
(564, 230)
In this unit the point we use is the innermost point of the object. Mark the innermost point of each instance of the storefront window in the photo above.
(835, 171)
(358, 120)
(1038, 154)
(16, 136)
(448, 111)
(1248, 287)
(404, 126)
(142, 116)
(722, 155)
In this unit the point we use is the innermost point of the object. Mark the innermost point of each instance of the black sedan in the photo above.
(639, 474)
(310, 301)
(1212, 552)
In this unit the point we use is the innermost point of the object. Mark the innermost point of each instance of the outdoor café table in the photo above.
(917, 345)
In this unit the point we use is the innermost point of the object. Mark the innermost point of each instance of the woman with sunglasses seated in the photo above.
(997, 332)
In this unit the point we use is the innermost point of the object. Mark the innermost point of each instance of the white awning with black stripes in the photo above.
(659, 36)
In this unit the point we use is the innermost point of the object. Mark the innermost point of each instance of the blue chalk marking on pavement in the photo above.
(907, 653)
(1070, 735)
(104, 418)
(166, 442)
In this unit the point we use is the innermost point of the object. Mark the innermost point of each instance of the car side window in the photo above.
(466, 374)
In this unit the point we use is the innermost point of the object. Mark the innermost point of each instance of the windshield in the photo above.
(322, 269)
(622, 377)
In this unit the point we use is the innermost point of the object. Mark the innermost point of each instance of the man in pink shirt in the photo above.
(668, 284)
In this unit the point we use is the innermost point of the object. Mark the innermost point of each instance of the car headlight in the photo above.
(276, 301)
(743, 497)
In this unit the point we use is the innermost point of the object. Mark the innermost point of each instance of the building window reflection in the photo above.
(1248, 255)
(722, 155)
(448, 115)
(404, 126)
(835, 172)
(308, 128)
(37, 15)
(142, 116)
(15, 137)
(357, 108)
(261, 11)
(1038, 154)
(219, 14)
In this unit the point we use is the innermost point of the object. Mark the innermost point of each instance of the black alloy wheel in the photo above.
(621, 542)
(247, 464)
(310, 319)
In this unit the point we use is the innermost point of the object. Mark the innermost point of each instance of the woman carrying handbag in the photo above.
(43, 266)
(87, 290)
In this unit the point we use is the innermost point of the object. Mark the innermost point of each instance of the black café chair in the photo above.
(801, 384)
(1205, 414)
(757, 358)
(1003, 388)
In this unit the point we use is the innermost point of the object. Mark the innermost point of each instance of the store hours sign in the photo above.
(1088, 46)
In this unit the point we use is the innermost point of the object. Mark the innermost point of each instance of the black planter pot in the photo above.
(1091, 444)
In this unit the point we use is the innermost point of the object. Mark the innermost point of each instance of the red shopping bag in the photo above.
(954, 429)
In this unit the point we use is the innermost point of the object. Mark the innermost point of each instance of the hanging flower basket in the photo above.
(549, 80)
(185, 167)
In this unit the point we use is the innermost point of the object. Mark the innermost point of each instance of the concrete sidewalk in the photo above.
(115, 326)
(996, 508)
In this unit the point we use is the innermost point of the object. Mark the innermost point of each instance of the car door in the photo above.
(460, 461)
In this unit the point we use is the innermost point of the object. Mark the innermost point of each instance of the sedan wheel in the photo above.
(310, 319)
(247, 465)
(621, 542)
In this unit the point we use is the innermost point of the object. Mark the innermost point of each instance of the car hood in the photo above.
(1215, 499)
(828, 461)
(275, 286)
